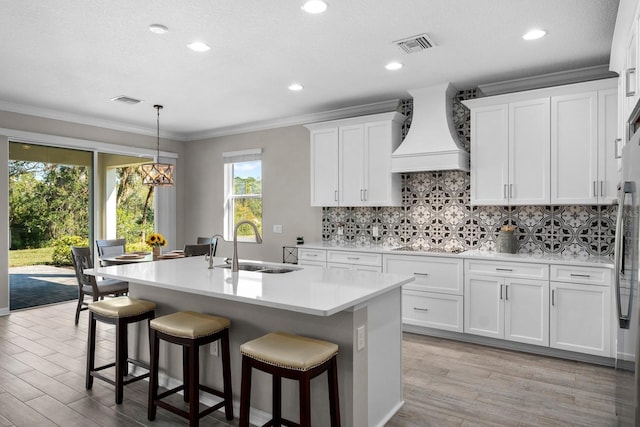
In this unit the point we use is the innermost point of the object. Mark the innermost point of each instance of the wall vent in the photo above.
(415, 44)
(126, 100)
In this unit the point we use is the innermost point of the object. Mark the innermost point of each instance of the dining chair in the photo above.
(196, 250)
(110, 247)
(207, 241)
(88, 285)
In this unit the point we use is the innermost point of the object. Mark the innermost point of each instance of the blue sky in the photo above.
(248, 169)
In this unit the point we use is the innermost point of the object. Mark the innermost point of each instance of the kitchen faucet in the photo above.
(234, 266)
(210, 258)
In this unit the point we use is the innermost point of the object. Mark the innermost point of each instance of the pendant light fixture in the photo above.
(157, 174)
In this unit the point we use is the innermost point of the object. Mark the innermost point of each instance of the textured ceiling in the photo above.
(68, 58)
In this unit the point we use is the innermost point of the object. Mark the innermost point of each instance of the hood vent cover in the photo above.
(415, 44)
(431, 143)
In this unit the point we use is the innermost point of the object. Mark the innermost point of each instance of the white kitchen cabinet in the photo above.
(510, 153)
(357, 261)
(546, 146)
(502, 302)
(314, 257)
(580, 312)
(351, 161)
(435, 298)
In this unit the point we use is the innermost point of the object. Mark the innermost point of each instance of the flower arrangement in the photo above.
(156, 240)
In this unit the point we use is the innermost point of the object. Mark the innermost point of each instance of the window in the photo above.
(243, 192)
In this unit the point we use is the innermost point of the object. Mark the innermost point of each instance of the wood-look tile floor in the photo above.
(42, 362)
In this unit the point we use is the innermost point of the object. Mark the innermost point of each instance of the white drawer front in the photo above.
(432, 310)
(508, 269)
(433, 274)
(575, 274)
(360, 258)
(312, 263)
(312, 255)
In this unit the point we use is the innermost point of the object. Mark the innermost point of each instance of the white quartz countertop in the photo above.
(310, 290)
(564, 259)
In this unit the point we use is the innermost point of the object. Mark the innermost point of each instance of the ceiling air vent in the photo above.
(126, 100)
(415, 44)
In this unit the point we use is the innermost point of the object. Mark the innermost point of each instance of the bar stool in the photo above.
(294, 357)
(190, 330)
(120, 311)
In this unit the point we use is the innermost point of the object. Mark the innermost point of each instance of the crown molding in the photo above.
(85, 120)
(342, 113)
(546, 80)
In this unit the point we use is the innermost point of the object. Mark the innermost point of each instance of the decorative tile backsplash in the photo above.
(436, 215)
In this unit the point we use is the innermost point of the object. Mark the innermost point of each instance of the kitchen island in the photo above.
(359, 311)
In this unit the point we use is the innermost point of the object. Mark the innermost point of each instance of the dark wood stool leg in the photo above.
(194, 382)
(91, 351)
(226, 375)
(334, 399)
(185, 372)
(305, 400)
(245, 392)
(153, 374)
(276, 398)
(121, 358)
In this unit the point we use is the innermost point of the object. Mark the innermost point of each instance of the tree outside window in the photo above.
(243, 191)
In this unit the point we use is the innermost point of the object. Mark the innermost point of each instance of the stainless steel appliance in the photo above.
(626, 281)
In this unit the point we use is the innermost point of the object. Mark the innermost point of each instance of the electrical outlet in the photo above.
(375, 232)
(361, 338)
(340, 230)
(277, 228)
(213, 348)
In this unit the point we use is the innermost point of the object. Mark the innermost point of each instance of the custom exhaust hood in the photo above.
(431, 143)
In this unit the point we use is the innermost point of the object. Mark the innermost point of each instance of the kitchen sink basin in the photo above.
(260, 268)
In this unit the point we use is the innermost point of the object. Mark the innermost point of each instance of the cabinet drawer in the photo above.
(508, 269)
(312, 263)
(359, 258)
(575, 274)
(312, 255)
(432, 310)
(432, 274)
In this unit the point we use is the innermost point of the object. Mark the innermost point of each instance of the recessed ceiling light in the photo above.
(314, 6)
(534, 34)
(295, 87)
(199, 46)
(392, 66)
(158, 29)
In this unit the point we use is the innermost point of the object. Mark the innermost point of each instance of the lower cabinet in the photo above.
(581, 312)
(358, 261)
(513, 309)
(432, 310)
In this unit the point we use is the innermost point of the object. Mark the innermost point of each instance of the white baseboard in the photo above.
(4, 311)
(390, 414)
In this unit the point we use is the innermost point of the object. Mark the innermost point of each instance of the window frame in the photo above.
(230, 160)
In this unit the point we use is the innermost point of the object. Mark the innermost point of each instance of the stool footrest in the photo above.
(283, 422)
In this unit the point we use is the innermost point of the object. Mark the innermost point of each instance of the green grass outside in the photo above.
(22, 257)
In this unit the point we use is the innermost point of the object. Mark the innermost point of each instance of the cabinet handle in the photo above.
(335, 195)
(312, 255)
(617, 148)
(420, 274)
(595, 191)
(628, 74)
(602, 188)
(511, 191)
(504, 192)
(366, 196)
(506, 292)
(553, 297)
(353, 258)
(420, 309)
(501, 286)
(503, 269)
(580, 275)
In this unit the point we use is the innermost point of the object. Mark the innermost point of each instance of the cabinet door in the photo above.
(351, 160)
(324, 167)
(529, 152)
(483, 306)
(607, 146)
(526, 317)
(580, 318)
(574, 148)
(489, 155)
(378, 179)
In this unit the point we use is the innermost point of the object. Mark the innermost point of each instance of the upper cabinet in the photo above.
(351, 161)
(545, 146)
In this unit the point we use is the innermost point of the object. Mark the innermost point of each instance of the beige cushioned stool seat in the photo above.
(121, 307)
(189, 324)
(289, 351)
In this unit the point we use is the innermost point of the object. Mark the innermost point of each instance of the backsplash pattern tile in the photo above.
(436, 214)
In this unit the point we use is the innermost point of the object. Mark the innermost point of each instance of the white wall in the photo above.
(285, 188)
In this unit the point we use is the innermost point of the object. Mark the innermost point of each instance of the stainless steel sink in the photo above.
(268, 269)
